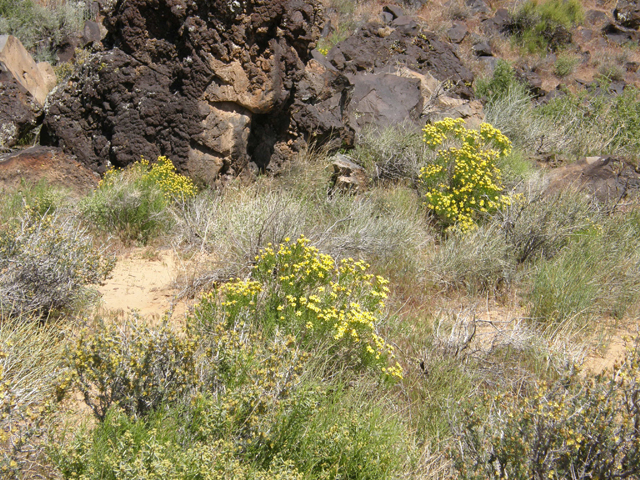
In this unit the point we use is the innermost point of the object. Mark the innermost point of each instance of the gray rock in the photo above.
(347, 175)
(595, 17)
(394, 10)
(386, 17)
(482, 49)
(457, 33)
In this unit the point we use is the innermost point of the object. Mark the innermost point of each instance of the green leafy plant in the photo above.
(539, 27)
(463, 182)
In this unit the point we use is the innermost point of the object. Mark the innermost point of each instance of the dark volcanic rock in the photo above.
(20, 113)
(383, 100)
(627, 13)
(422, 52)
(207, 83)
(609, 179)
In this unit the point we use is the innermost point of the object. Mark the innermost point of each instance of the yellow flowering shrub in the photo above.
(463, 182)
(132, 366)
(580, 427)
(133, 202)
(162, 174)
(314, 298)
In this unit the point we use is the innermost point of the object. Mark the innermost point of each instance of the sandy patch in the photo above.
(143, 281)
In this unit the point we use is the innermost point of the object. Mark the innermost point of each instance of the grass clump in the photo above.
(595, 275)
(134, 202)
(539, 27)
(41, 29)
(464, 182)
(565, 65)
(500, 83)
(597, 123)
(30, 356)
(47, 264)
(392, 154)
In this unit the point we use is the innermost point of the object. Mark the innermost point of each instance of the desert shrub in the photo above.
(313, 297)
(565, 65)
(393, 153)
(311, 435)
(478, 261)
(463, 182)
(133, 202)
(30, 358)
(157, 448)
(259, 414)
(596, 274)
(539, 27)
(41, 29)
(578, 427)
(47, 263)
(234, 226)
(132, 366)
(540, 224)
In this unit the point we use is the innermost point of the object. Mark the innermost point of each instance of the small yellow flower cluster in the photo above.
(163, 174)
(464, 180)
(171, 183)
(581, 422)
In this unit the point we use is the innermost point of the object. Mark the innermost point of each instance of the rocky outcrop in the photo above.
(224, 87)
(45, 163)
(609, 179)
(208, 84)
(24, 86)
(381, 76)
(19, 112)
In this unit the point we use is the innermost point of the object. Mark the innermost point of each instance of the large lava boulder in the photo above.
(207, 83)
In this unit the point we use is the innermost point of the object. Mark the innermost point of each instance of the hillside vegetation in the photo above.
(435, 324)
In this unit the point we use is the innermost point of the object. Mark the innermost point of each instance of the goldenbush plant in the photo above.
(47, 264)
(130, 366)
(313, 297)
(463, 182)
(134, 202)
(578, 427)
